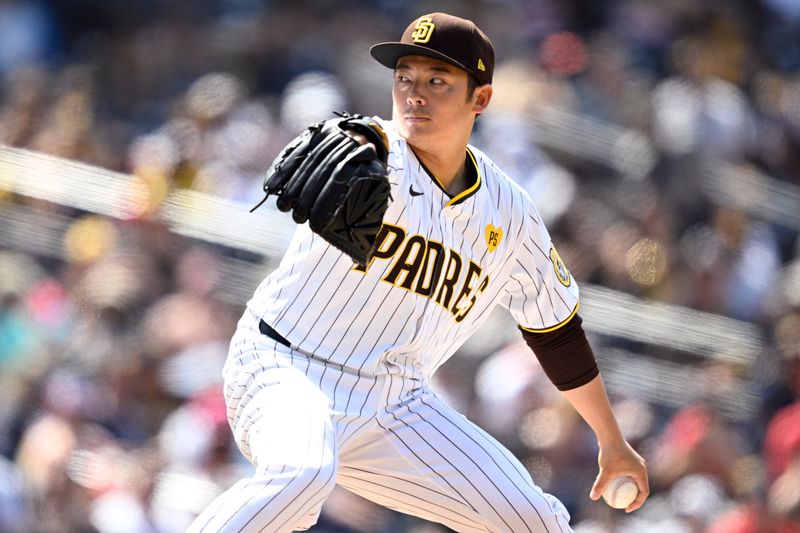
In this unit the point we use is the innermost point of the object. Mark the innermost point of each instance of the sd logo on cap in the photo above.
(446, 37)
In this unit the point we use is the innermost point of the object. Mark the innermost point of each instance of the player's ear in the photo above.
(483, 96)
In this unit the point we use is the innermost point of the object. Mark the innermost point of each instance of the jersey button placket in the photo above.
(449, 212)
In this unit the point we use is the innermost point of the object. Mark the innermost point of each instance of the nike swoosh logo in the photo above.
(412, 192)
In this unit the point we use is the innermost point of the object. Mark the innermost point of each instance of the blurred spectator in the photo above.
(26, 33)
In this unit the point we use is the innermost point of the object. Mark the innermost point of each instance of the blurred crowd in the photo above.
(111, 414)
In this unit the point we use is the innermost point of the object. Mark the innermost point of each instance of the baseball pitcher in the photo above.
(408, 238)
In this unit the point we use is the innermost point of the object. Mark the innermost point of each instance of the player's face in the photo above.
(430, 101)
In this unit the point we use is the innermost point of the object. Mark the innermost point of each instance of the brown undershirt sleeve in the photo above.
(565, 354)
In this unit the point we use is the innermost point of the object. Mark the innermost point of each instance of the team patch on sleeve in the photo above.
(562, 273)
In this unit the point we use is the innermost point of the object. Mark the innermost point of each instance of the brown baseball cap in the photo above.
(452, 39)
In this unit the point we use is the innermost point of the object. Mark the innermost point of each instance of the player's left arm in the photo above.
(568, 360)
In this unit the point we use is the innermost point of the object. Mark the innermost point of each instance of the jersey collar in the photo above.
(466, 193)
(472, 189)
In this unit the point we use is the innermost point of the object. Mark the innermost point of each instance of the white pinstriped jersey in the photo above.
(442, 265)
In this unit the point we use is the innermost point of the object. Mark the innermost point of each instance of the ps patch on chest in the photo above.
(493, 236)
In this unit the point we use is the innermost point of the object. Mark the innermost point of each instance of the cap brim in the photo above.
(387, 54)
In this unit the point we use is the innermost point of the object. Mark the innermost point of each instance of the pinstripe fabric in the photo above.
(318, 301)
(307, 425)
(432, 462)
(349, 403)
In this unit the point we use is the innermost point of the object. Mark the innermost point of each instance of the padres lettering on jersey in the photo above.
(418, 267)
(441, 266)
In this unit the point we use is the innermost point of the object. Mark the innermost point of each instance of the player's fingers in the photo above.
(599, 485)
(644, 491)
(638, 502)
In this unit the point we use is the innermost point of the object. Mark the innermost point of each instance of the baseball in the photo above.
(620, 492)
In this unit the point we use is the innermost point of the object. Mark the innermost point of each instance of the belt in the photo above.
(267, 330)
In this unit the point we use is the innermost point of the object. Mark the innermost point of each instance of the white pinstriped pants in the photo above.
(308, 426)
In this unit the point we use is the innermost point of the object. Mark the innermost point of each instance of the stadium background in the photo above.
(660, 139)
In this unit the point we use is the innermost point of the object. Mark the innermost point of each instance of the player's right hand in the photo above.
(620, 459)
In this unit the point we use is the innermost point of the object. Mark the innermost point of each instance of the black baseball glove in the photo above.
(340, 186)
